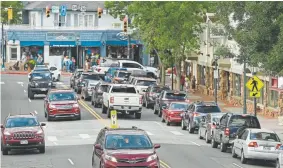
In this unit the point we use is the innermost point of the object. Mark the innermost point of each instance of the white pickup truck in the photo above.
(123, 98)
(143, 83)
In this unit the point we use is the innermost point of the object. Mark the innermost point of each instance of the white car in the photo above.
(256, 144)
(143, 83)
(56, 73)
(279, 161)
(133, 65)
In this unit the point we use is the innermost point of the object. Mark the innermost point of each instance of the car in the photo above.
(256, 144)
(40, 83)
(171, 114)
(22, 132)
(228, 128)
(136, 74)
(61, 103)
(133, 65)
(166, 97)
(39, 68)
(124, 147)
(279, 160)
(75, 75)
(207, 125)
(56, 73)
(97, 91)
(120, 76)
(192, 117)
(79, 82)
(151, 94)
(87, 89)
(143, 83)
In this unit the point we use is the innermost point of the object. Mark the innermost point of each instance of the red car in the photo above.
(60, 104)
(172, 113)
(124, 147)
(22, 132)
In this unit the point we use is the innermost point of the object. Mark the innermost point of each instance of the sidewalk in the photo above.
(26, 72)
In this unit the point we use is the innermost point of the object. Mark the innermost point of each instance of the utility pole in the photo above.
(255, 103)
(2, 46)
(215, 78)
(245, 90)
(129, 47)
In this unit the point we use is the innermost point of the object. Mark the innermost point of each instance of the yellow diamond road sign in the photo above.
(255, 94)
(254, 84)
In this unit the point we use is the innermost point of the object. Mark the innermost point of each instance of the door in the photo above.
(240, 142)
(158, 100)
(97, 153)
(222, 127)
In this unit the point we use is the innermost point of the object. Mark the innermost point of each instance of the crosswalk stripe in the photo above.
(149, 133)
(2, 83)
(176, 133)
(52, 138)
(84, 136)
(59, 83)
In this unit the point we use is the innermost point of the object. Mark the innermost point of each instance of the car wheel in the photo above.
(167, 122)
(223, 147)
(5, 151)
(108, 112)
(31, 94)
(79, 117)
(146, 104)
(48, 118)
(92, 102)
(207, 140)
(103, 109)
(277, 164)
(162, 119)
(213, 143)
(154, 110)
(159, 113)
(191, 130)
(42, 149)
(138, 115)
(234, 155)
(58, 78)
(199, 134)
(183, 126)
(243, 159)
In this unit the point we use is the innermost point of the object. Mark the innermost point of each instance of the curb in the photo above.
(25, 73)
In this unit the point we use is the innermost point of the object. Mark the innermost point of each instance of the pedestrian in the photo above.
(67, 63)
(70, 65)
(74, 63)
(39, 60)
(194, 83)
(182, 81)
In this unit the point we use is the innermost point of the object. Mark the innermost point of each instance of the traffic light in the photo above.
(99, 12)
(125, 25)
(47, 11)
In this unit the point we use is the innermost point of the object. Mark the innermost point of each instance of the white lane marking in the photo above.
(35, 111)
(20, 83)
(55, 143)
(25, 91)
(237, 165)
(176, 133)
(29, 100)
(84, 136)
(158, 123)
(195, 143)
(52, 138)
(72, 163)
(59, 83)
(2, 83)
(149, 133)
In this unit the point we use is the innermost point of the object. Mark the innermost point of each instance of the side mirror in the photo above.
(2, 126)
(43, 124)
(98, 147)
(214, 123)
(156, 146)
(217, 124)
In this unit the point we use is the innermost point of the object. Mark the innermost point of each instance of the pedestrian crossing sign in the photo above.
(114, 123)
(255, 94)
(254, 84)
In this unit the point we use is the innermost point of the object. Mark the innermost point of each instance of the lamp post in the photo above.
(245, 89)
(77, 42)
(2, 46)
(215, 77)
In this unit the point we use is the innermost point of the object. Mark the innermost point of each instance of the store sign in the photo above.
(60, 36)
(55, 9)
(62, 46)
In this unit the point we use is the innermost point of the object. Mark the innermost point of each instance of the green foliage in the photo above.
(258, 33)
(224, 52)
(17, 7)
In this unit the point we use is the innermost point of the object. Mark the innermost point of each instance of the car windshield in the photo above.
(123, 74)
(21, 122)
(216, 118)
(145, 82)
(178, 106)
(159, 89)
(119, 89)
(41, 76)
(91, 77)
(40, 69)
(118, 141)
(242, 120)
(104, 87)
(208, 109)
(62, 96)
(264, 136)
(177, 96)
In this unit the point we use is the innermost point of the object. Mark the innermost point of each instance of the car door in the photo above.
(222, 127)
(217, 131)
(159, 100)
(96, 153)
(241, 142)
(203, 125)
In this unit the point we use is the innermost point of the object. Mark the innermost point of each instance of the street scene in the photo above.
(154, 84)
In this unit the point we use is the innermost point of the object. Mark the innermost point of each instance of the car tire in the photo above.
(199, 134)
(154, 110)
(108, 112)
(92, 102)
(159, 113)
(223, 147)
(213, 143)
(183, 126)
(103, 109)
(30, 94)
(234, 155)
(138, 115)
(5, 151)
(206, 138)
(162, 119)
(48, 118)
(191, 130)
(243, 159)
(58, 78)
(79, 117)
(42, 149)
(167, 122)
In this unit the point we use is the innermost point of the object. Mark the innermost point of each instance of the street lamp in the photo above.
(77, 42)
(216, 58)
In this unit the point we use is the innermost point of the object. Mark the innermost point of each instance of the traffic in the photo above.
(130, 93)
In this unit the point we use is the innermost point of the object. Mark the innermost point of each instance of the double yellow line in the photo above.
(163, 164)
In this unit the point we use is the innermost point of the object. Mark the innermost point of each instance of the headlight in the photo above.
(7, 133)
(49, 84)
(52, 106)
(75, 105)
(39, 132)
(36, 84)
(110, 158)
(151, 158)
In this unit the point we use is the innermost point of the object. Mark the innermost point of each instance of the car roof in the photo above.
(128, 85)
(205, 103)
(175, 91)
(22, 116)
(176, 102)
(256, 130)
(144, 78)
(127, 61)
(61, 90)
(121, 131)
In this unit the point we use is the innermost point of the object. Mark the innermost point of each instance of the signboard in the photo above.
(60, 36)
(83, 8)
(215, 74)
(75, 7)
(254, 85)
(114, 123)
(55, 9)
(63, 10)
(122, 36)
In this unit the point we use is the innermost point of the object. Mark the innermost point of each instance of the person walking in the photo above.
(73, 63)
(39, 60)
(182, 81)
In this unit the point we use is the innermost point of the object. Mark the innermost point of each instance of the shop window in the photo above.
(59, 51)
(81, 20)
(56, 19)
(68, 21)
(14, 53)
(273, 98)
(88, 21)
(237, 85)
(76, 20)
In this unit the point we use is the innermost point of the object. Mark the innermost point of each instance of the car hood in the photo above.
(42, 81)
(63, 102)
(129, 154)
(175, 111)
(23, 129)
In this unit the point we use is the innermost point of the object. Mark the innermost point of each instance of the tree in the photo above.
(17, 9)
(258, 31)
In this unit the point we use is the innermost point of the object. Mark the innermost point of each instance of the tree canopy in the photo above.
(17, 7)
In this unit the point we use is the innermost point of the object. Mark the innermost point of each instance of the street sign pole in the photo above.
(255, 106)
(245, 89)
(114, 123)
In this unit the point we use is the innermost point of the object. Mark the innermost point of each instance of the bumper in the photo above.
(152, 164)
(15, 144)
(64, 114)
(127, 109)
(175, 119)
(261, 155)
(40, 90)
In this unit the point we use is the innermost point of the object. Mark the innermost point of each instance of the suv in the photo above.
(229, 127)
(97, 92)
(61, 104)
(124, 147)
(22, 132)
(151, 94)
(40, 83)
(192, 117)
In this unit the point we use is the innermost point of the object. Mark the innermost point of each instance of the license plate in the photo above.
(23, 142)
(43, 89)
(266, 148)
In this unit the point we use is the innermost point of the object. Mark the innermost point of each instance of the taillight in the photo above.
(278, 146)
(195, 114)
(98, 69)
(252, 144)
(140, 100)
(213, 126)
(227, 132)
(112, 100)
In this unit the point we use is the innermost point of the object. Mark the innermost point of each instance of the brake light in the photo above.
(252, 144)
(195, 114)
(140, 100)
(278, 146)
(213, 126)
(112, 100)
(98, 69)
(227, 132)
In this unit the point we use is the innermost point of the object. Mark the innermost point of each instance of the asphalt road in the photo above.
(69, 143)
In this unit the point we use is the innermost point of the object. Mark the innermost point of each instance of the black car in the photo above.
(229, 126)
(97, 91)
(76, 75)
(151, 94)
(192, 117)
(40, 83)
(80, 81)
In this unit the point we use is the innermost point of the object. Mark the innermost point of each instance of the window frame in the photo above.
(13, 53)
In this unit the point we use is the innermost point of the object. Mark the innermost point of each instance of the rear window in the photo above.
(145, 82)
(63, 96)
(178, 106)
(91, 77)
(120, 89)
(159, 89)
(241, 120)
(216, 118)
(208, 109)
(103, 87)
(178, 96)
(264, 136)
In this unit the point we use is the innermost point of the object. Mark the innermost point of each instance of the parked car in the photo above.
(166, 97)
(227, 129)
(121, 76)
(256, 144)
(152, 93)
(97, 92)
(80, 81)
(192, 117)
(171, 114)
(40, 83)
(87, 88)
(279, 160)
(143, 83)
(56, 73)
(207, 125)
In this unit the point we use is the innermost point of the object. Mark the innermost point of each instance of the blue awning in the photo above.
(31, 43)
(120, 43)
(90, 43)
(62, 43)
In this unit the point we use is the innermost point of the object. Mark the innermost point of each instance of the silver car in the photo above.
(279, 161)
(256, 144)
